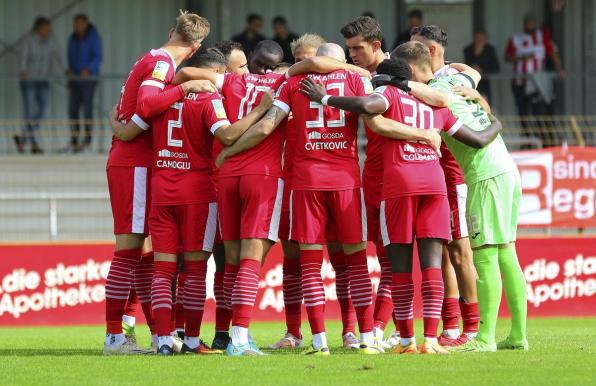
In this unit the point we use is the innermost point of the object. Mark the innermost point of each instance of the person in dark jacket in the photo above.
(84, 60)
(482, 56)
(284, 37)
(251, 36)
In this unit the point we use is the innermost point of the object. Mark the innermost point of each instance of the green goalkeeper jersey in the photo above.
(477, 164)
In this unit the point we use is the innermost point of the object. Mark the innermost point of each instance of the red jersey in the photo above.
(183, 139)
(373, 164)
(410, 167)
(325, 150)
(148, 77)
(453, 173)
(289, 148)
(242, 93)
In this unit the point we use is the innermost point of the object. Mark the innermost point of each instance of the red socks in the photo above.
(342, 290)
(361, 289)
(292, 290)
(142, 284)
(312, 287)
(118, 284)
(179, 310)
(432, 300)
(132, 303)
(245, 291)
(450, 314)
(402, 291)
(195, 291)
(470, 316)
(223, 314)
(161, 296)
(383, 304)
(230, 273)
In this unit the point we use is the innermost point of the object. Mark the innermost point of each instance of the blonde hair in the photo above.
(191, 27)
(310, 40)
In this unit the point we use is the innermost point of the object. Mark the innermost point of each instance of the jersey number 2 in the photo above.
(175, 124)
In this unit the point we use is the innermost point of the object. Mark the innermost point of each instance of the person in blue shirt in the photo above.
(84, 60)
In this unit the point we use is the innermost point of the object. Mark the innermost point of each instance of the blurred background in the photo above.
(53, 134)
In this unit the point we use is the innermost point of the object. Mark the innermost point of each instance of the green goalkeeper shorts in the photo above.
(493, 207)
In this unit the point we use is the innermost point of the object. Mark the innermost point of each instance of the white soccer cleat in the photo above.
(392, 341)
(123, 347)
(288, 341)
(350, 341)
(177, 343)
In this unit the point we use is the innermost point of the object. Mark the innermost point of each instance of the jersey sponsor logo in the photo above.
(220, 111)
(409, 148)
(161, 70)
(314, 135)
(411, 153)
(165, 153)
(171, 164)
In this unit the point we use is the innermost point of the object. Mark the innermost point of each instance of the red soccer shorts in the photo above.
(183, 228)
(313, 210)
(457, 196)
(409, 217)
(372, 199)
(284, 221)
(130, 197)
(250, 207)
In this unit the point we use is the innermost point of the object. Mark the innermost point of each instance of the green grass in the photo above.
(562, 351)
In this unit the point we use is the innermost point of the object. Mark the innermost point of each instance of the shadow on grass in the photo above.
(31, 352)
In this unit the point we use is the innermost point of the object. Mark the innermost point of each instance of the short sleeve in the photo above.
(464, 79)
(452, 124)
(282, 97)
(382, 91)
(156, 74)
(215, 115)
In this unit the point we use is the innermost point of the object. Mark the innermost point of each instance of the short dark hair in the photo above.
(280, 20)
(415, 13)
(227, 46)
(412, 52)
(270, 47)
(81, 16)
(282, 65)
(396, 67)
(253, 17)
(209, 58)
(431, 32)
(366, 26)
(40, 22)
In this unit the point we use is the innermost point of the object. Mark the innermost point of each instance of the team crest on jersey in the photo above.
(161, 70)
(218, 106)
(368, 87)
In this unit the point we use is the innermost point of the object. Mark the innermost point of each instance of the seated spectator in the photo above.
(283, 37)
(482, 56)
(251, 36)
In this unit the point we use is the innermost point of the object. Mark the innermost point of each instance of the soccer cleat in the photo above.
(129, 332)
(446, 341)
(221, 340)
(154, 343)
(392, 341)
(177, 343)
(321, 351)
(410, 348)
(165, 350)
(288, 341)
(243, 350)
(462, 339)
(370, 350)
(507, 344)
(474, 346)
(432, 348)
(180, 333)
(350, 341)
(126, 347)
(201, 349)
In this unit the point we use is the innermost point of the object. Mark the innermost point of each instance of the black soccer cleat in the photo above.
(221, 340)
(165, 350)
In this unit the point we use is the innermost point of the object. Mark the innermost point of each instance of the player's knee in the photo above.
(459, 255)
(290, 249)
(353, 248)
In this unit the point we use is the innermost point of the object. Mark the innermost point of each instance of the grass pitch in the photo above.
(562, 351)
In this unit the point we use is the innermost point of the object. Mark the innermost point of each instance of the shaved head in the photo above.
(332, 50)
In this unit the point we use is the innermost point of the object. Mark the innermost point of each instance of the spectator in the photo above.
(483, 57)
(250, 37)
(306, 46)
(532, 88)
(414, 20)
(283, 37)
(39, 52)
(84, 59)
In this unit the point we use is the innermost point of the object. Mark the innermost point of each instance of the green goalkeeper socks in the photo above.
(489, 289)
(515, 293)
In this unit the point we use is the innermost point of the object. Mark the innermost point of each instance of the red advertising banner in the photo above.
(63, 284)
(559, 187)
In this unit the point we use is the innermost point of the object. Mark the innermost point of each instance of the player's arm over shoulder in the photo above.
(324, 65)
(476, 139)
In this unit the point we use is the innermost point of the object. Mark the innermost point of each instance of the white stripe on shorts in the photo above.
(363, 216)
(291, 214)
(383, 223)
(275, 216)
(210, 228)
(462, 196)
(139, 200)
